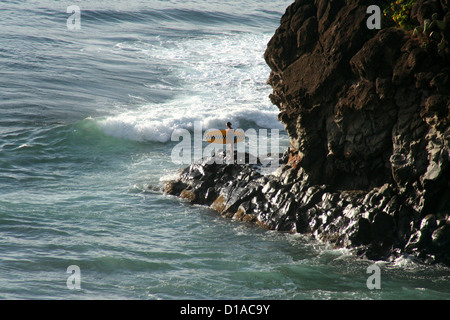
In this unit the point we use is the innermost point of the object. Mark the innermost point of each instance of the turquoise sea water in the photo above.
(86, 118)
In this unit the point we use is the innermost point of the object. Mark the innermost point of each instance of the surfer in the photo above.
(230, 137)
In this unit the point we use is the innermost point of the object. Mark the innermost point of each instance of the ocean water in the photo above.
(86, 118)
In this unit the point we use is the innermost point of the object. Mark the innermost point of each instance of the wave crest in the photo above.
(156, 124)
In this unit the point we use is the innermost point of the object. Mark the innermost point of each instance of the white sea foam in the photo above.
(213, 79)
(405, 261)
(156, 123)
(169, 175)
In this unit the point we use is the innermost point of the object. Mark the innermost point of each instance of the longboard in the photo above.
(220, 136)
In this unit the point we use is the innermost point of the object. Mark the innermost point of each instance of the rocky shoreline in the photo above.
(376, 225)
(367, 114)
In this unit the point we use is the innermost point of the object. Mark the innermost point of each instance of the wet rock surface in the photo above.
(367, 114)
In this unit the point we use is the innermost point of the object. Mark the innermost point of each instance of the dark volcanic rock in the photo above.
(367, 114)
(352, 94)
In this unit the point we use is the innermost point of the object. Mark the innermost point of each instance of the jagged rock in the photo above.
(441, 237)
(376, 102)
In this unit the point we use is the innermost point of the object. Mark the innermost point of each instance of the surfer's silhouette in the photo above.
(230, 139)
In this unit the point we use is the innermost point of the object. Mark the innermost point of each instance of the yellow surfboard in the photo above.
(220, 136)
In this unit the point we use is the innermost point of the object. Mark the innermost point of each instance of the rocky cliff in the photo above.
(367, 114)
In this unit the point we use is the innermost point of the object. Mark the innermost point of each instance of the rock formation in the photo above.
(367, 114)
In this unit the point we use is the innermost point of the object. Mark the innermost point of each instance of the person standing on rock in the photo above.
(230, 140)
